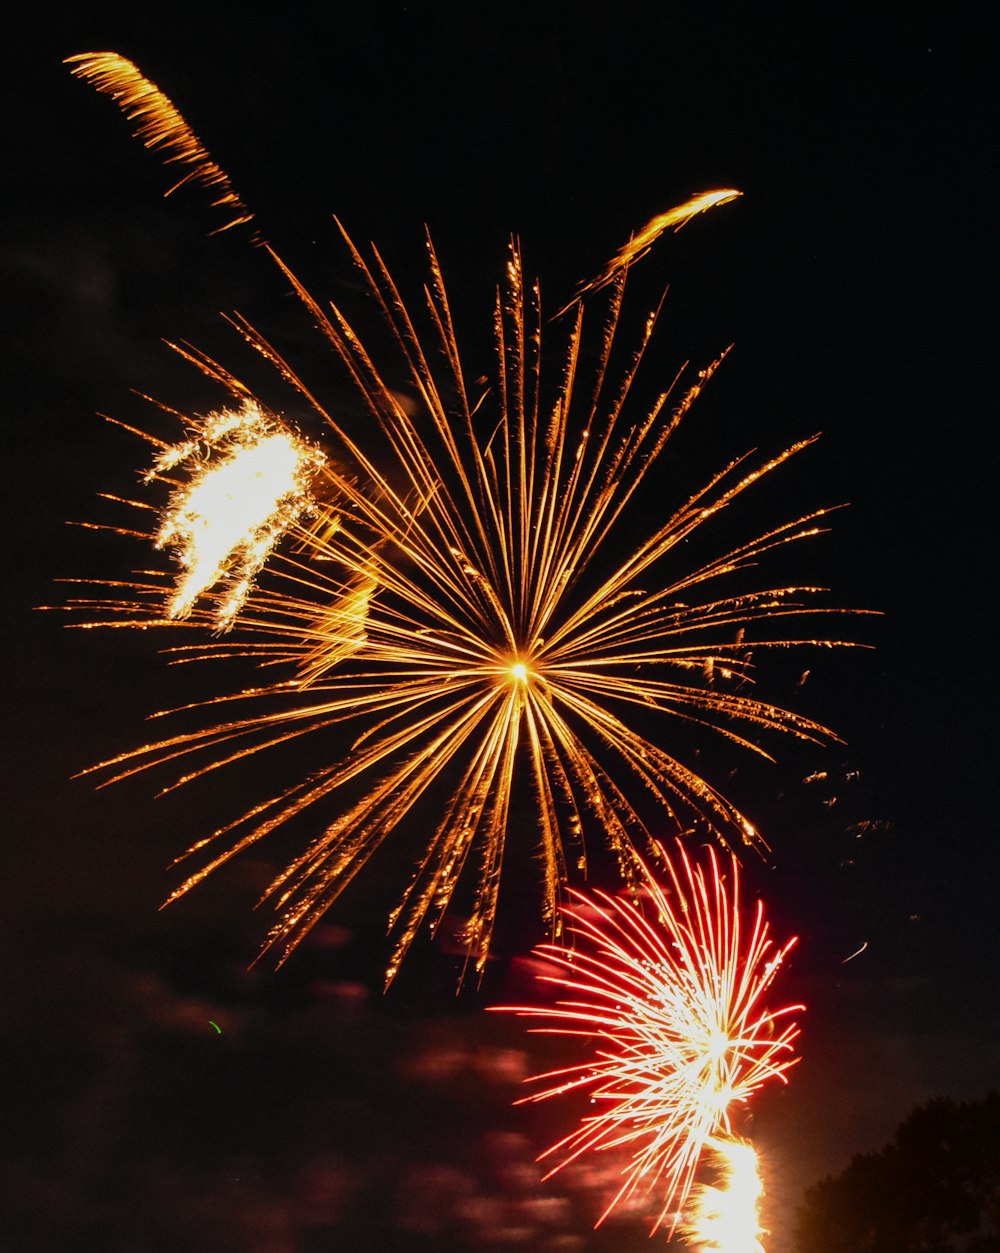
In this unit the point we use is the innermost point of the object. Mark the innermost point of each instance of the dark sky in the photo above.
(853, 279)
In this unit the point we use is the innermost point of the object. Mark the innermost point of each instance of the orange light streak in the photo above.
(640, 244)
(159, 126)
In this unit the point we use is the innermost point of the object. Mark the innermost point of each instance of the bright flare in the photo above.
(249, 484)
(726, 1218)
(665, 997)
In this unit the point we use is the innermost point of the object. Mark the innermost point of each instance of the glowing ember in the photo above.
(668, 992)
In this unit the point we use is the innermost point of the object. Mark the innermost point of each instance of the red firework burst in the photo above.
(668, 990)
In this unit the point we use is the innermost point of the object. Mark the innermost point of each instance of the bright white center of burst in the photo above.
(519, 672)
(718, 1043)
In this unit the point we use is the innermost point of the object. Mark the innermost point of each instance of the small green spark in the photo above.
(215, 1025)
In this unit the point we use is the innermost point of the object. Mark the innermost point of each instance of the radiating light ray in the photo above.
(474, 613)
(668, 990)
(160, 126)
(726, 1216)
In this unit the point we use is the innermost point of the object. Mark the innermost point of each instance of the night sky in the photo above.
(853, 280)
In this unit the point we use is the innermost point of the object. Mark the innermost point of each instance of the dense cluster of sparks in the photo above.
(726, 1214)
(668, 991)
(248, 483)
(470, 607)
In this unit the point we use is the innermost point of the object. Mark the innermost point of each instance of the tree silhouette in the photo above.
(935, 1188)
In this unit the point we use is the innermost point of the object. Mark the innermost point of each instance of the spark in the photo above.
(339, 631)
(726, 1217)
(470, 608)
(868, 826)
(667, 993)
(856, 953)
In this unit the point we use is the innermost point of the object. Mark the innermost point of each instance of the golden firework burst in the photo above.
(468, 607)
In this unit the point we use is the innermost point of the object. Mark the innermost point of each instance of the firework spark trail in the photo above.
(160, 127)
(466, 614)
(248, 485)
(668, 990)
(726, 1217)
(640, 244)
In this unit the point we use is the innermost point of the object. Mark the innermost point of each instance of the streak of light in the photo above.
(640, 243)
(160, 126)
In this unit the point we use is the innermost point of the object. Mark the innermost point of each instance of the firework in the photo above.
(474, 617)
(668, 992)
(726, 1216)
